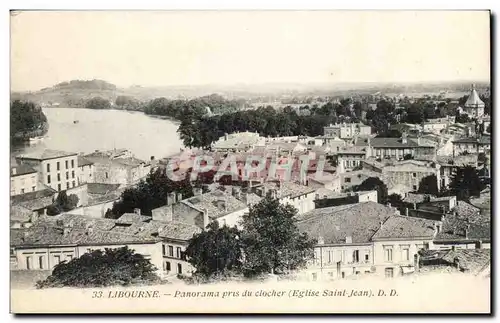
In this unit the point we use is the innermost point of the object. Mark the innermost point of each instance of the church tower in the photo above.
(474, 107)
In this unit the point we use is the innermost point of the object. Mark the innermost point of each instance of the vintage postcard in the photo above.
(250, 162)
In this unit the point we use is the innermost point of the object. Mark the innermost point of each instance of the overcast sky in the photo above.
(183, 48)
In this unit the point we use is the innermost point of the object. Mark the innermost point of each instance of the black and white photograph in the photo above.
(256, 161)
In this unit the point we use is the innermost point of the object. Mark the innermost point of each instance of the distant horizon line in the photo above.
(277, 83)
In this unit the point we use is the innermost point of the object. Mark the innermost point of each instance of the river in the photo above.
(143, 135)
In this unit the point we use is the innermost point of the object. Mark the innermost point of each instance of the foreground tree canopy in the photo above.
(269, 242)
(111, 267)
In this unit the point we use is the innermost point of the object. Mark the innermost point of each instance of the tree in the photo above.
(215, 251)
(396, 201)
(151, 193)
(63, 203)
(273, 243)
(98, 103)
(26, 120)
(465, 183)
(111, 267)
(374, 183)
(429, 185)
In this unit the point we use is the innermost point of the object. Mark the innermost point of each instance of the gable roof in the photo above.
(359, 221)
(405, 227)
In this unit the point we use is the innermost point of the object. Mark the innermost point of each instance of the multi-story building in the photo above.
(117, 167)
(85, 170)
(347, 130)
(56, 169)
(409, 174)
(471, 145)
(51, 240)
(398, 148)
(23, 179)
(364, 239)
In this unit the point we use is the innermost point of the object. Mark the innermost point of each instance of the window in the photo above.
(29, 263)
(355, 256)
(67, 175)
(48, 168)
(74, 184)
(343, 274)
(22, 190)
(405, 252)
(58, 166)
(40, 262)
(179, 268)
(367, 257)
(58, 177)
(171, 251)
(107, 175)
(330, 256)
(72, 163)
(66, 164)
(48, 179)
(72, 174)
(164, 251)
(167, 265)
(389, 272)
(58, 187)
(33, 188)
(347, 180)
(414, 187)
(388, 254)
(414, 174)
(67, 185)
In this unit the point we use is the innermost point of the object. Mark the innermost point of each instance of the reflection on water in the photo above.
(106, 129)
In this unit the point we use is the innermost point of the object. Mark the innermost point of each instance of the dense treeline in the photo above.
(201, 132)
(177, 109)
(26, 120)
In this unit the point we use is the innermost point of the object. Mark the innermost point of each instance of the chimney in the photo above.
(407, 211)
(206, 219)
(404, 138)
(414, 206)
(179, 197)
(159, 231)
(14, 170)
(137, 211)
(263, 191)
(348, 239)
(317, 197)
(456, 261)
(89, 230)
(222, 204)
(171, 198)
(226, 136)
(416, 260)
(197, 191)
(467, 232)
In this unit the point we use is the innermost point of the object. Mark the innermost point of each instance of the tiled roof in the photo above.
(473, 100)
(21, 170)
(49, 231)
(209, 201)
(34, 200)
(392, 143)
(20, 213)
(469, 259)
(359, 221)
(405, 227)
(101, 188)
(289, 189)
(128, 161)
(130, 218)
(83, 161)
(46, 154)
(454, 228)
